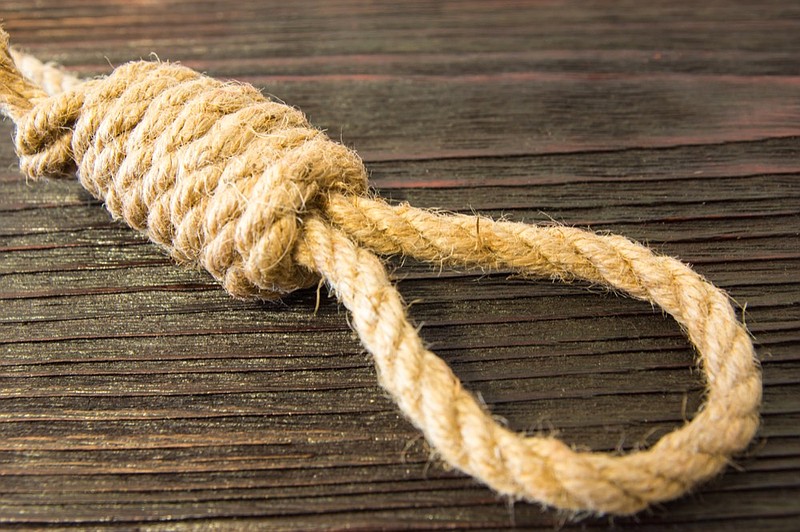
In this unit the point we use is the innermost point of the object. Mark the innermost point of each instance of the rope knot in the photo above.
(225, 178)
(215, 172)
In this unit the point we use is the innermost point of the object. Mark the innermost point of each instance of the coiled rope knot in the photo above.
(214, 172)
(224, 178)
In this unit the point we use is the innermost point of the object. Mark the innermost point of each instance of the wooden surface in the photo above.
(136, 393)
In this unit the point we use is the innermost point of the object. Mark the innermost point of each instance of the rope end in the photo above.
(16, 92)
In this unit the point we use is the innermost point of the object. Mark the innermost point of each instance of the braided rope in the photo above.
(223, 178)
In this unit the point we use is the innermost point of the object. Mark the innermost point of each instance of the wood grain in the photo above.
(137, 394)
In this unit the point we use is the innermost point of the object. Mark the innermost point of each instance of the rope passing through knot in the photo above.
(224, 178)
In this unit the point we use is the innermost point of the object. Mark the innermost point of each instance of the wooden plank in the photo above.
(134, 393)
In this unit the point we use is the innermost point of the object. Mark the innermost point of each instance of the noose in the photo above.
(224, 178)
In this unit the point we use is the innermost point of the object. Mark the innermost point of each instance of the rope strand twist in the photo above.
(224, 178)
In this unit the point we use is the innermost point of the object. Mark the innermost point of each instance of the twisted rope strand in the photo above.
(48, 76)
(729, 418)
(223, 178)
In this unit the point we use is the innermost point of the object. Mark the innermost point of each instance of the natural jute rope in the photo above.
(222, 177)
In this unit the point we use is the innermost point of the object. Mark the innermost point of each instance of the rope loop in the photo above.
(226, 179)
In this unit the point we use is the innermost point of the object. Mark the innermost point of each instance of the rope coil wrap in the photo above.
(224, 178)
(214, 172)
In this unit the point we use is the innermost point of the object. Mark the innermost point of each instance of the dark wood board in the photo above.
(137, 394)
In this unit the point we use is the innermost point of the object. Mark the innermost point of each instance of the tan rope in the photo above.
(246, 187)
(48, 76)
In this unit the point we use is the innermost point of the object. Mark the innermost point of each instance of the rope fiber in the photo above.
(245, 187)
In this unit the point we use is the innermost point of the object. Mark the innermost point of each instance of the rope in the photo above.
(45, 75)
(224, 178)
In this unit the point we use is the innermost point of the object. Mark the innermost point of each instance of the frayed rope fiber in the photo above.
(222, 177)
